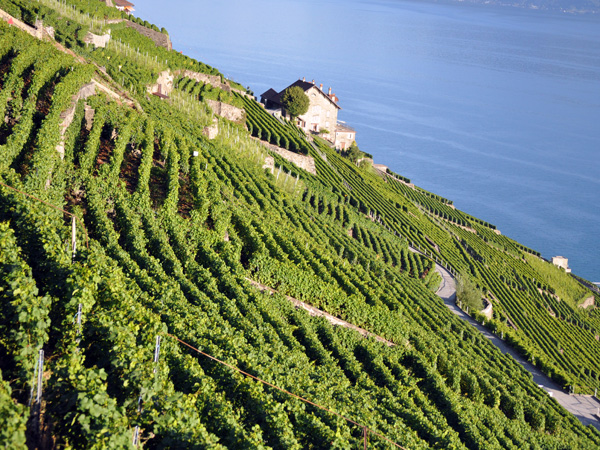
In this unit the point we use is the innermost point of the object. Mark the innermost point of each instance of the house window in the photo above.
(349, 135)
(326, 124)
(316, 109)
(328, 112)
(316, 119)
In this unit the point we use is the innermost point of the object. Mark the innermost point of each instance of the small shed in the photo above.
(562, 262)
(344, 136)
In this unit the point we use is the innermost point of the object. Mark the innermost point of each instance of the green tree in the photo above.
(295, 101)
(354, 152)
(468, 294)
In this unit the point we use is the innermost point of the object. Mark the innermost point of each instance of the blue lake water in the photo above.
(495, 108)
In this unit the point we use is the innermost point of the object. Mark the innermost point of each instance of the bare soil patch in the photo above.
(107, 145)
(186, 197)
(130, 167)
(158, 185)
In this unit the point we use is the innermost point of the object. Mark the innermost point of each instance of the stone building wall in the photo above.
(159, 38)
(318, 111)
(344, 138)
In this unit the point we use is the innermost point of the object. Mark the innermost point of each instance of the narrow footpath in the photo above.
(584, 407)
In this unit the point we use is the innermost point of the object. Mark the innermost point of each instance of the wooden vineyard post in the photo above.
(73, 239)
(36, 402)
(38, 373)
(136, 431)
(156, 352)
(79, 311)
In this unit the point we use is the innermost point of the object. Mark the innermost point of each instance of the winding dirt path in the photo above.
(584, 407)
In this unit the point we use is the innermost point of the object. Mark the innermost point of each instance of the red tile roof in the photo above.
(275, 97)
(123, 3)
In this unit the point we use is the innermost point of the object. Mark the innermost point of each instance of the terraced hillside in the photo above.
(174, 230)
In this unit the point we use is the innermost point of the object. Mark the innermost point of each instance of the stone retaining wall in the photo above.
(37, 31)
(488, 311)
(304, 162)
(96, 40)
(160, 39)
(67, 116)
(226, 111)
(213, 80)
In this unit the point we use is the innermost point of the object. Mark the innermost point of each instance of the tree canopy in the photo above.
(467, 292)
(354, 152)
(295, 101)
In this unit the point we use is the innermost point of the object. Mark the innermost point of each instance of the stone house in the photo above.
(343, 136)
(322, 114)
(121, 5)
(322, 110)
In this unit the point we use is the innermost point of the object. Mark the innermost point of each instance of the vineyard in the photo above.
(264, 126)
(129, 263)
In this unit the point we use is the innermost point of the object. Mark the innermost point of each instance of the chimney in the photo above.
(329, 91)
(303, 78)
(313, 81)
(321, 86)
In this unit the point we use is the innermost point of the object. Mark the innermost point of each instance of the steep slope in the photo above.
(174, 224)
